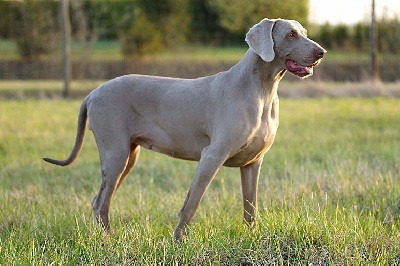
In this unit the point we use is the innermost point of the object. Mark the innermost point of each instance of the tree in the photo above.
(204, 25)
(143, 37)
(238, 16)
(36, 27)
(361, 34)
(156, 25)
(341, 35)
(325, 35)
(388, 35)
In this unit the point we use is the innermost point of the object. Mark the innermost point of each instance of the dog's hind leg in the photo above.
(114, 164)
(133, 157)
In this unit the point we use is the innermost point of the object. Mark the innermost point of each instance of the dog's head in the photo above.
(286, 42)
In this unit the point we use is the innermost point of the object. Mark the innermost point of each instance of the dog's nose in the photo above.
(320, 52)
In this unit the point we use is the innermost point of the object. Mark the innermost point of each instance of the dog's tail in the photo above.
(80, 133)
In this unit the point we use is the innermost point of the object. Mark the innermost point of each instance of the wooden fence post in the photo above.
(66, 47)
(374, 46)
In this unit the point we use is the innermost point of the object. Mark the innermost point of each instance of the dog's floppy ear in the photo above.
(259, 39)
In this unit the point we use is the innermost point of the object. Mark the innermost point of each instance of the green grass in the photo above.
(8, 49)
(329, 194)
(27, 89)
(111, 50)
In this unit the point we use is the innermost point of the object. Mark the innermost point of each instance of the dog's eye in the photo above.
(292, 34)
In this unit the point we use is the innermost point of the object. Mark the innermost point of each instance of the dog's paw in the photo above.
(179, 233)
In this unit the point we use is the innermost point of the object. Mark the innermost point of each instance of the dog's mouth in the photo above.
(299, 70)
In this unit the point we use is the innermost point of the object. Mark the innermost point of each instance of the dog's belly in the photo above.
(188, 142)
(183, 149)
(251, 153)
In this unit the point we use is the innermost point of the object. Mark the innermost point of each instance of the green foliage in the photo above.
(324, 37)
(143, 25)
(357, 37)
(337, 36)
(7, 16)
(143, 37)
(361, 36)
(155, 26)
(341, 34)
(240, 15)
(35, 27)
(389, 35)
(204, 24)
(329, 194)
(109, 18)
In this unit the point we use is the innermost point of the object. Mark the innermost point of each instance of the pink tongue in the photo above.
(300, 70)
(293, 65)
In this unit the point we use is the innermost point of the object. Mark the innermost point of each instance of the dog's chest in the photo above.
(261, 140)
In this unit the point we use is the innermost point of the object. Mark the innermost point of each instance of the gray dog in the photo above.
(229, 119)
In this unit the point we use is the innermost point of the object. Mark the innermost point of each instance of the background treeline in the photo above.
(357, 37)
(142, 26)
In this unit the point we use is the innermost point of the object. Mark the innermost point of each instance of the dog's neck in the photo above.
(267, 74)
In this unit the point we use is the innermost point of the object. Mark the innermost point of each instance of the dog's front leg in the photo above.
(208, 167)
(249, 176)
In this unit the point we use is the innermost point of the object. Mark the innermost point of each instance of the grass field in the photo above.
(329, 194)
(111, 50)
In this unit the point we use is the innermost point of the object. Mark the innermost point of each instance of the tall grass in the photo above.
(329, 194)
